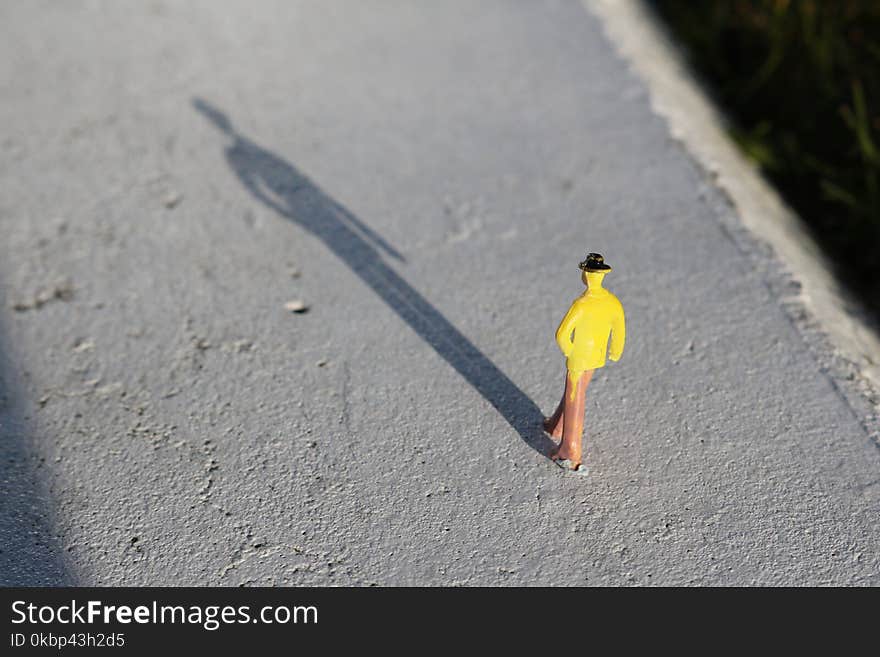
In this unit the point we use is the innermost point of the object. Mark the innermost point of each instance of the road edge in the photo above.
(833, 324)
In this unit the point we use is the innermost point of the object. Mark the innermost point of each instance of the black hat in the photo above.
(595, 262)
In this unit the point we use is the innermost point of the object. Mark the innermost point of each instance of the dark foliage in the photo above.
(800, 81)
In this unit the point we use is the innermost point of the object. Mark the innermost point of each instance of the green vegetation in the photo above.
(800, 81)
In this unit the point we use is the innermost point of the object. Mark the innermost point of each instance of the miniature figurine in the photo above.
(583, 338)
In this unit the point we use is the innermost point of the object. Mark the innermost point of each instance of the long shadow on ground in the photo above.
(280, 186)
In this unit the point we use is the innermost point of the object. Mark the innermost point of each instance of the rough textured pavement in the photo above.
(425, 178)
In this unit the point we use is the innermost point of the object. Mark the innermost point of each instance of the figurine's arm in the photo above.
(563, 333)
(618, 334)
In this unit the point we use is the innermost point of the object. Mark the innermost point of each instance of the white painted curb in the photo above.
(693, 120)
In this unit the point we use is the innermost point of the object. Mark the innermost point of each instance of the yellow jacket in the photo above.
(583, 334)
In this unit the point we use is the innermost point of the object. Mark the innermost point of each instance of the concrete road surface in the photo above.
(421, 179)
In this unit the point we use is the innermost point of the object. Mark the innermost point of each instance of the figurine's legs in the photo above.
(553, 424)
(573, 418)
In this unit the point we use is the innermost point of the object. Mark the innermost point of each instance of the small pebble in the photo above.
(172, 199)
(296, 306)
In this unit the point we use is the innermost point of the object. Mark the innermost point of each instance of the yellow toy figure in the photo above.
(583, 338)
